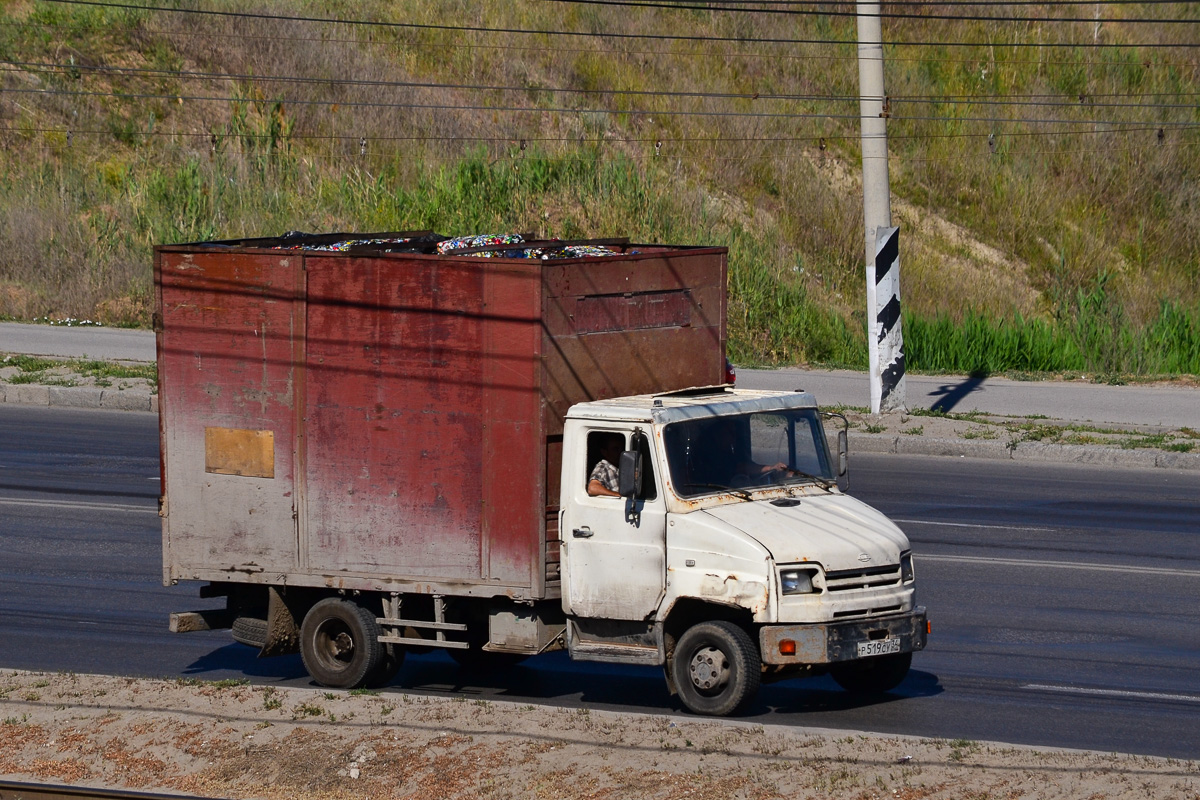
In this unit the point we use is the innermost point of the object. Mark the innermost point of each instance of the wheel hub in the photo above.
(342, 645)
(709, 668)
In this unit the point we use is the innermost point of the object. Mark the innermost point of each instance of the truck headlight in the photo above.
(906, 568)
(797, 581)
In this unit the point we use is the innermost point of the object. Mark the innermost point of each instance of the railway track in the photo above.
(17, 790)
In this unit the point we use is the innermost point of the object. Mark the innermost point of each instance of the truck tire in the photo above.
(716, 668)
(872, 675)
(250, 631)
(339, 644)
(389, 664)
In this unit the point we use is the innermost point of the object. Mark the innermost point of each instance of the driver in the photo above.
(604, 478)
(728, 462)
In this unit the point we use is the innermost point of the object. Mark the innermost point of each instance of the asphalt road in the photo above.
(1166, 406)
(1064, 599)
(77, 341)
(1151, 405)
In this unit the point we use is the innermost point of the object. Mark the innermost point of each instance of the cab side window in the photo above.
(603, 458)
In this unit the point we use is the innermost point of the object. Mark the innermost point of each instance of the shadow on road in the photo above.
(822, 695)
(243, 660)
(554, 679)
(954, 393)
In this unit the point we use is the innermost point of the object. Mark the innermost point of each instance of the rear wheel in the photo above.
(716, 668)
(872, 675)
(339, 643)
(389, 664)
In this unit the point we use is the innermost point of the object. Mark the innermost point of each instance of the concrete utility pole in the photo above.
(887, 373)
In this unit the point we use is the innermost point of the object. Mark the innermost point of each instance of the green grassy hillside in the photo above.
(1047, 194)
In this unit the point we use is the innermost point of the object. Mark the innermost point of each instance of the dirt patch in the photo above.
(232, 740)
(1013, 432)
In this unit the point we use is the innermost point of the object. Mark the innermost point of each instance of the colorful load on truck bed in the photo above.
(487, 245)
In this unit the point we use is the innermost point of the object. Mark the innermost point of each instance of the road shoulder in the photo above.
(230, 739)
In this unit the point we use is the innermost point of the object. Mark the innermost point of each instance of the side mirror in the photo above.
(842, 466)
(630, 481)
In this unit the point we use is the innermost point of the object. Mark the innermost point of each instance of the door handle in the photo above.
(582, 533)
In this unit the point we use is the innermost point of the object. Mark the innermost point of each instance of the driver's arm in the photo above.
(597, 489)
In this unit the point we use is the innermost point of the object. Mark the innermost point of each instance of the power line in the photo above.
(567, 110)
(515, 141)
(371, 42)
(882, 15)
(194, 75)
(952, 3)
(516, 158)
(601, 34)
(436, 106)
(1040, 101)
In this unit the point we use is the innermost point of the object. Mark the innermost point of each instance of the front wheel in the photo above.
(716, 668)
(872, 675)
(339, 643)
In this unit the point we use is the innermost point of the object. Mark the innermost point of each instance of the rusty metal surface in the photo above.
(415, 404)
(225, 361)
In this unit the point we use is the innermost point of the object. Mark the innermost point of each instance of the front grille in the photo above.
(867, 612)
(857, 579)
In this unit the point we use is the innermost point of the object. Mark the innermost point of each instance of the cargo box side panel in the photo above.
(226, 381)
(410, 419)
(647, 323)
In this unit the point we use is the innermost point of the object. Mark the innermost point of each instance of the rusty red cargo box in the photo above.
(386, 418)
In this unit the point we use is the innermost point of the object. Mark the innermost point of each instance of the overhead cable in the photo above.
(596, 34)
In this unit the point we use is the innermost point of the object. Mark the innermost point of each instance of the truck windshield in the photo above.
(747, 451)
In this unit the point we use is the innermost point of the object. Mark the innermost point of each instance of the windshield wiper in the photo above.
(742, 493)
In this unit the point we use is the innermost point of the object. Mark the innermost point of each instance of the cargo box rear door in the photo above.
(226, 391)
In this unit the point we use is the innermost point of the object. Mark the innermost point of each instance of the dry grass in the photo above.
(1001, 229)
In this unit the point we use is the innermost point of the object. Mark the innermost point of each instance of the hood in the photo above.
(834, 530)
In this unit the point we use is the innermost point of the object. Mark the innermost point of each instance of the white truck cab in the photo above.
(731, 556)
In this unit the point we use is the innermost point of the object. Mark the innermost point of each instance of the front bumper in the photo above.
(828, 642)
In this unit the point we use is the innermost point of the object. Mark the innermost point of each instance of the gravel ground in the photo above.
(232, 740)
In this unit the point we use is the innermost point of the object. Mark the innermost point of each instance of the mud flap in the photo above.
(283, 629)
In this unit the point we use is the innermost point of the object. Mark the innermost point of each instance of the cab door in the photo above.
(614, 548)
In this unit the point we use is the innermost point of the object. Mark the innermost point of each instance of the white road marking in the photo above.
(1186, 698)
(1080, 565)
(974, 525)
(76, 504)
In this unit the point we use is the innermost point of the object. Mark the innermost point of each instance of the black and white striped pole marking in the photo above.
(886, 344)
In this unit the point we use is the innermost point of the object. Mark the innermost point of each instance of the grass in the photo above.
(1089, 336)
(976, 425)
(34, 369)
(223, 683)
(1068, 244)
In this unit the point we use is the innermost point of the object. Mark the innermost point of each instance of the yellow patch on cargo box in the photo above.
(236, 451)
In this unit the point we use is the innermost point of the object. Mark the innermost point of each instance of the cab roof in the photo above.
(703, 401)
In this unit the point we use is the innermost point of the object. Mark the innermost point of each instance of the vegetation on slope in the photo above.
(1046, 195)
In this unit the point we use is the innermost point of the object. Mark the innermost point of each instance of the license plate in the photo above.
(878, 647)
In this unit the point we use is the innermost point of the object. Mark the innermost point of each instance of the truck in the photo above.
(375, 444)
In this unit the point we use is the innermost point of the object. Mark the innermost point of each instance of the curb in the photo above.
(92, 397)
(1023, 451)
(79, 397)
